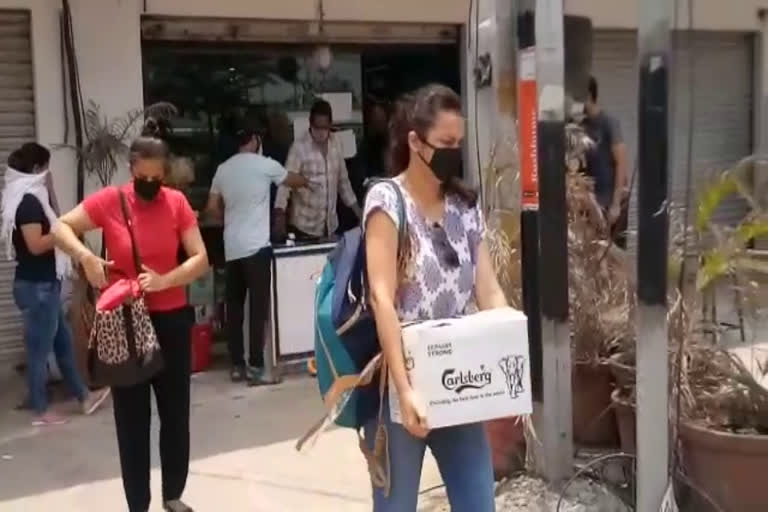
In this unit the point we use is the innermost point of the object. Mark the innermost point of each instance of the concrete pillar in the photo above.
(760, 169)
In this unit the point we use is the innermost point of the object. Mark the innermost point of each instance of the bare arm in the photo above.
(37, 243)
(488, 293)
(215, 206)
(294, 180)
(66, 235)
(381, 259)
(196, 263)
(620, 157)
(68, 230)
(293, 166)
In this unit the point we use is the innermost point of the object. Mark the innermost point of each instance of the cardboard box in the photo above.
(469, 369)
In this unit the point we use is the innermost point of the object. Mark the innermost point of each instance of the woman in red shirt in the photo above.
(163, 222)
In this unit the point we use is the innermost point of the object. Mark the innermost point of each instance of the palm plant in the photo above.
(107, 140)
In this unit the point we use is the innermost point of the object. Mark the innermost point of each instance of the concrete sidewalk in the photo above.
(243, 456)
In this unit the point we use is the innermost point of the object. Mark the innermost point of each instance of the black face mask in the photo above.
(146, 189)
(446, 163)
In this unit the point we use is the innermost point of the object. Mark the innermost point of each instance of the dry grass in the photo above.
(600, 290)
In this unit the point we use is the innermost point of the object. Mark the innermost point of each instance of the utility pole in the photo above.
(654, 44)
(557, 419)
(529, 181)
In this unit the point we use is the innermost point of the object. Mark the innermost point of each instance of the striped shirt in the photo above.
(313, 208)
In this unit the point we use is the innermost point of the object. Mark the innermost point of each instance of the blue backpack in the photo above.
(347, 350)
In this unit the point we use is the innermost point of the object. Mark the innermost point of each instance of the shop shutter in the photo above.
(723, 109)
(17, 125)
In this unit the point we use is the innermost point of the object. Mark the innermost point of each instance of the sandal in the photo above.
(237, 374)
(256, 378)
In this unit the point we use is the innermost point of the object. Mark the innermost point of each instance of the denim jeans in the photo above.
(46, 330)
(463, 457)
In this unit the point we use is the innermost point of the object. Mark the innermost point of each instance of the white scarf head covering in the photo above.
(17, 185)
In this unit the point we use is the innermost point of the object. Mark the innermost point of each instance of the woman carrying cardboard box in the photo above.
(446, 268)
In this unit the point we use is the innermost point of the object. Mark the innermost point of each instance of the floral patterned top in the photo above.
(440, 281)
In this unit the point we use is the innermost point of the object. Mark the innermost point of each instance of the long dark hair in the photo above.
(417, 112)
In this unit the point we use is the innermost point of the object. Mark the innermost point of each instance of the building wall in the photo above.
(740, 15)
(108, 45)
(49, 104)
(429, 11)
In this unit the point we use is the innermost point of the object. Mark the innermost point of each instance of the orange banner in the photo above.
(527, 122)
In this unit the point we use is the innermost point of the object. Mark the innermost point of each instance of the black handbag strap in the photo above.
(129, 224)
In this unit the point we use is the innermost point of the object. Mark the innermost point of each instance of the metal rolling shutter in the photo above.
(723, 109)
(17, 125)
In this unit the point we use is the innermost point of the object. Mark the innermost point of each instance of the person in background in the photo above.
(35, 151)
(445, 269)
(162, 221)
(27, 217)
(318, 156)
(240, 194)
(607, 163)
(371, 159)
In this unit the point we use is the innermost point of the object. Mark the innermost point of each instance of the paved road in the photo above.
(242, 456)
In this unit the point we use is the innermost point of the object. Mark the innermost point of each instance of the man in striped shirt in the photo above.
(318, 157)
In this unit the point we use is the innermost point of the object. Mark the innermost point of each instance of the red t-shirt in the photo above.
(157, 226)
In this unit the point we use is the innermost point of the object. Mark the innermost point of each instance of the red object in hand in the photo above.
(116, 294)
(202, 339)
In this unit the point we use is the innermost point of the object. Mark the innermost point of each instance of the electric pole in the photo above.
(529, 182)
(557, 420)
(654, 44)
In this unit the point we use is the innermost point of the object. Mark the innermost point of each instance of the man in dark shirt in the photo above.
(607, 163)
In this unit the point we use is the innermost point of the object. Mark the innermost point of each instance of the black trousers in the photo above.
(249, 276)
(133, 416)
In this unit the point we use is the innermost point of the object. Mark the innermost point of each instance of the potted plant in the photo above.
(723, 407)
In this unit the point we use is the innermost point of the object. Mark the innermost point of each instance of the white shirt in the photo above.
(243, 182)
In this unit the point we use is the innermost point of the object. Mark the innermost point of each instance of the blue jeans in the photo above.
(463, 456)
(46, 330)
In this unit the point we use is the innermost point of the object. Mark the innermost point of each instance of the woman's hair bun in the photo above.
(151, 128)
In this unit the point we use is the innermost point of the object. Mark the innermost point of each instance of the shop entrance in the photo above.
(273, 85)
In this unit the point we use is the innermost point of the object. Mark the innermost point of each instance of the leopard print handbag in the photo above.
(122, 348)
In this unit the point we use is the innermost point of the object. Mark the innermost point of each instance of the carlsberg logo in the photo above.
(460, 381)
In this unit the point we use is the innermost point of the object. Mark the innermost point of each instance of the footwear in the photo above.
(237, 373)
(256, 378)
(94, 400)
(48, 419)
(177, 506)
(312, 367)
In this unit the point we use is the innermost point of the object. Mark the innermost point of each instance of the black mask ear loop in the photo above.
(421, 157)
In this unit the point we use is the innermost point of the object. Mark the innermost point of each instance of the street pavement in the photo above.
(243, 456)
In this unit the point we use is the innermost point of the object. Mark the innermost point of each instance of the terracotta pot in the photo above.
(507, 439)
(730, 468)
(594, 420)
(625, 421)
